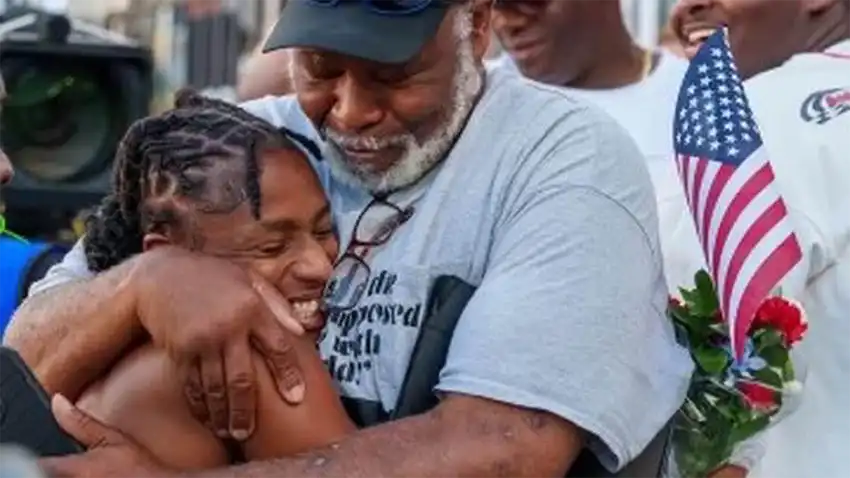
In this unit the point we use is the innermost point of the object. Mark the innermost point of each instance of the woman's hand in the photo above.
(207, 313)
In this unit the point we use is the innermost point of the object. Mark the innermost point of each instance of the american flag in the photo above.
(741, 219)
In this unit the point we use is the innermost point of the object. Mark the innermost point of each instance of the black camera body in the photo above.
(72, 89)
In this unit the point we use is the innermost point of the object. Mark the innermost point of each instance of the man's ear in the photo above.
(153, 240)
(481, 12)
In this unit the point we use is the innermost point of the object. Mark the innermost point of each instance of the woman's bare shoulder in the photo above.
(142, 396)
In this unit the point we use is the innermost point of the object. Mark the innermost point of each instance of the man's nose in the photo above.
(356, 108)
(510, 17)
(5, 168)
(691, 9)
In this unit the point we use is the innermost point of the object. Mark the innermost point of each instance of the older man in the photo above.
(433, 167)
(802, 104)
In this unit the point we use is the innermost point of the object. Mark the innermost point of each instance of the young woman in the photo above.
(209, 177)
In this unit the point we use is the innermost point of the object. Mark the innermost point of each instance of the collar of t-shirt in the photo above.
(841, 49)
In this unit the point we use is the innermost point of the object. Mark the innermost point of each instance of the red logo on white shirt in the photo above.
(823, 106)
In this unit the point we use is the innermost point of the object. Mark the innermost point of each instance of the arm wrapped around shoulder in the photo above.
(569, 317)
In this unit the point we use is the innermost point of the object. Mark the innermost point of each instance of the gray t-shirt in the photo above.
(546, 206)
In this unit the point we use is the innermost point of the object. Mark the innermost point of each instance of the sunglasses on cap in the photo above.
(383, 7)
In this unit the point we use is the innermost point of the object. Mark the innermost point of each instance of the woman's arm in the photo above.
(283, 429)
(143, 397)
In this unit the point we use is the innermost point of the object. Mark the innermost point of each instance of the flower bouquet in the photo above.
(730, 400)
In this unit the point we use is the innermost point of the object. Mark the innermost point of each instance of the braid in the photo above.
(204, 150)
(114, 232)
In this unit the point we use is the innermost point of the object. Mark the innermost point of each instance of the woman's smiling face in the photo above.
(292, 244)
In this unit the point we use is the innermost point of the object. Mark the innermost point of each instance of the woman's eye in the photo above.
(324, 233)
(273, 249)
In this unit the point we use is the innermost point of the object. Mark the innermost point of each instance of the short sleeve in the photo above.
(280, 111)
(72, 268)
(570, 317)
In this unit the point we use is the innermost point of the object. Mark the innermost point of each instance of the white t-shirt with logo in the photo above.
(545, 205)
(803, 109)
(803, 112)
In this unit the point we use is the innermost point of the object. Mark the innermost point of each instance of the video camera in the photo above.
(73, 89)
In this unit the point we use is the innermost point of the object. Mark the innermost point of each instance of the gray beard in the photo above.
(419, 157)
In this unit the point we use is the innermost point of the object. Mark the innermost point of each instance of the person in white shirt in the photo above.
(802, 104)
(584, 48)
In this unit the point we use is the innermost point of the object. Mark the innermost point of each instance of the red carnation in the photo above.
(674, 302)
(758, 396)
(785, 316)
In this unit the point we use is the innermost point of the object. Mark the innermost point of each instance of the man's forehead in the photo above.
(320, 58)
(305, 54)
(445, 34)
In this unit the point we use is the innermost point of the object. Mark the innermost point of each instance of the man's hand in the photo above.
(110, 453)
(208, 313)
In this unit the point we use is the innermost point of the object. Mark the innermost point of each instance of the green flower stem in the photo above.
(6, 232)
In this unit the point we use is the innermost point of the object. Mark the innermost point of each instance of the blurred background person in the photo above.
(264, 73)
(670, 42)
(5, 164)
(800, 95)
(585, 47)
(764, 34)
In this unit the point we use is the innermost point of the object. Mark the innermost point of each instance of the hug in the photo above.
(246, 251)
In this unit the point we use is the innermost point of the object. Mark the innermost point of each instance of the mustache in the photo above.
(367, 143)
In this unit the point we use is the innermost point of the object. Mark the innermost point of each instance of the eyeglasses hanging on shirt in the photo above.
(374, 227)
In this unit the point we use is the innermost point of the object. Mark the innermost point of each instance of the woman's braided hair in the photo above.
(204, 150)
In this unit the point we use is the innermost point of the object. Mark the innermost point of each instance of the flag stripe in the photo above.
(721, 179)
(759, 203)
(711, 170)
(738, 177)
(753, 186)
(745, 249)
(769, 273)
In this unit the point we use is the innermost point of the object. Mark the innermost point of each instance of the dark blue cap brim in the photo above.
(351, 28)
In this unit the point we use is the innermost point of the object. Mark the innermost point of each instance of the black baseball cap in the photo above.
(359, 28)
